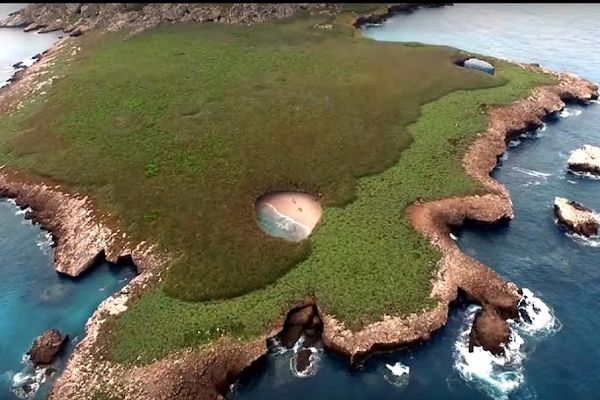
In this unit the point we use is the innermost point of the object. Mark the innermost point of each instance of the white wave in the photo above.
(593, 241)
(532, 183)
(453, 236)
(535, 316)
(505, 156)
(498, 376)
(314, 359)
(397, 374)
(276, 348)
(567, 112)
(26, 383)
(22, 211)
(289, 224)
(530, 172)
(45, 242)
(514, 143)
(587, 175)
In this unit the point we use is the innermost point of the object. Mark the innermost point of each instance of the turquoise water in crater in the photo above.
(558, 355)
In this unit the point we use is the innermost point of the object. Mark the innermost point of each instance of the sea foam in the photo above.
(314, 359)
(499, 376)
(397, 374)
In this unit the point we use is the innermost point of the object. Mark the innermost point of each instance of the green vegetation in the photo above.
(177, 132)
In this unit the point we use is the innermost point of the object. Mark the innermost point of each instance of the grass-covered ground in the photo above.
(178, 130)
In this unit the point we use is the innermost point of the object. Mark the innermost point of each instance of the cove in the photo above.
(34, 298)
(558, 359)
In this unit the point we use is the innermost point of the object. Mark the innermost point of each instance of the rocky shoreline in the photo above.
(83, 235)
(78, 18)
(207, 373)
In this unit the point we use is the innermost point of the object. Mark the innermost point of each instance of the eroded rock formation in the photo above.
(434, 219)
(585, 159)
(577, 217)
(46, 347)
(490, 331)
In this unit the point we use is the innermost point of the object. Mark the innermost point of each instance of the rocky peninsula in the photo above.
(83, 234)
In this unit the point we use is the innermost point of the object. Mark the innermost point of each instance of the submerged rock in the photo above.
(585, 159)
(55, 293)
(475, 63)
(303, 360)
(489, 331)
(46, 347)
(575, 216)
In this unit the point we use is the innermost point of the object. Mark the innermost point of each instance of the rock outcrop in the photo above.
(490, 331)
(434, 220)
(207, 373)
(302, 321)
(78, 18)
(480, 65)
(585, 159)
(81, 235)
(575, 216)
(402, 8)
(46, 347)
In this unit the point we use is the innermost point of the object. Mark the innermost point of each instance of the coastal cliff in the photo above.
(78, 18)
(457, 273)
(86, 234)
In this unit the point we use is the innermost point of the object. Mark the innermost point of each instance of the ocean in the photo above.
(33, 297)
(556, 357)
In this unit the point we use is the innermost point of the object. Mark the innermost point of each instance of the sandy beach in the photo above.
(301, 207)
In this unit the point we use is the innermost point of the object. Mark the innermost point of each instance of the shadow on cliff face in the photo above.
(123, 262)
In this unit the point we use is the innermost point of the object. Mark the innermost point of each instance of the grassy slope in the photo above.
(177, 131)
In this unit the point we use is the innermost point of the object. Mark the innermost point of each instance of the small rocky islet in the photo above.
(215, 361)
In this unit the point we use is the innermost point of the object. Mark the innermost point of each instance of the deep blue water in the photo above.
(33, 297)
(562, 362)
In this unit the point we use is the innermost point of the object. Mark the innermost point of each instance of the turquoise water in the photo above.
(556, 357)
(278, 225)
(33, 297)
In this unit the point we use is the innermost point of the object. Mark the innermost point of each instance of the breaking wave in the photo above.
(530, 172)
(593, 241)
(587, 175)
(397, 374)
(26, 383)
(280, 225)
(313, 363)
(567, 112)
(499, 376)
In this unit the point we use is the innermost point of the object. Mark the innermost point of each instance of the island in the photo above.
(150, 131)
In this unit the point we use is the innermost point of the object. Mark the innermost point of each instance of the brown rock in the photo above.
(302, 360)
(46, 347)
(290, 335)
(489, 331)
(302, 316)
(76, 32)
(575, 216)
